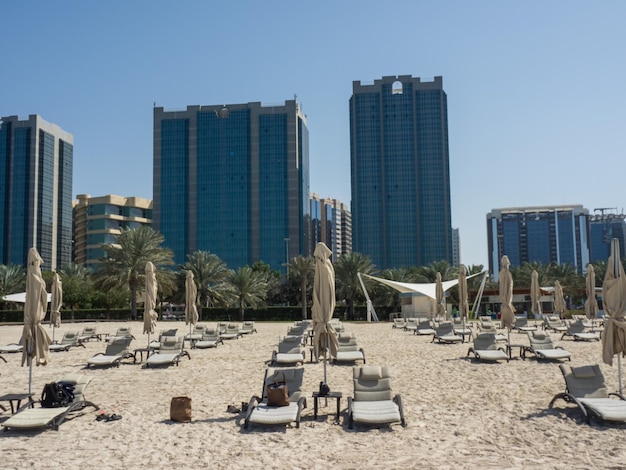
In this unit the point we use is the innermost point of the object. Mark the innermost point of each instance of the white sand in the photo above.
(461, 414)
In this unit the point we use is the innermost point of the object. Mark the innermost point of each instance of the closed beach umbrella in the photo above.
(591, 304)
(35, 339)
(535, 295)
(324, 335)
(505, 283)
(191, 295)
(559, 299)
(149, 314)
(614, 302)
(56, 302)
(439, 297)
(463, 303)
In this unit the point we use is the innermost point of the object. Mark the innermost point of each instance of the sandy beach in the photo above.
(460, 413)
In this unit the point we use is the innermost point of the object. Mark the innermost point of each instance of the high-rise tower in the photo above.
(233, 180)
(400, 171)
(36, 161)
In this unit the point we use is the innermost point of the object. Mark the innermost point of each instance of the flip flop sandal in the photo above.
(114, 417)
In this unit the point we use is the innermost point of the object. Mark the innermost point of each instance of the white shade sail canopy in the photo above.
(20, 298)
(429, 290)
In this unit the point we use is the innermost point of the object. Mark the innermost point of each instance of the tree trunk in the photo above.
(241, 312)
(303, 288)
(133, 303)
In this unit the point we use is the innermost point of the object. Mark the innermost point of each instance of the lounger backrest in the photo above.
(70, 337)
(292, 376)
(290, 345)
(540, 340)
(424, 325)
(520, 322)
(445, 328)
(232, 328)
(171, 343)
(123, 331)
(88, 331)
(168, 332)
(372, 383)
(485, 341)
(210, 334)
(576, 327)
(248, 324)
(347, 342)
(584, 381)
(222, 326)
(118, 346)
(79, 381)
(198, 329)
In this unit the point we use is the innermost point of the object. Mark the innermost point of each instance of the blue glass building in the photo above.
(603, 228)
(557, 234)
(400, 174)
(36, 163)
(233, 180)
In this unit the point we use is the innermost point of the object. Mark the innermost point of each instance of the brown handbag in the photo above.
(180, 409)
(277, 392)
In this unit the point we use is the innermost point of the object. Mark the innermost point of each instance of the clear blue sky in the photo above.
(536, 89)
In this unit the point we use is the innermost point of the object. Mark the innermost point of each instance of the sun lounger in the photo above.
(247, 328)
(89, 333)
(373, 402)
(522, 326)
(196, 334)
(38, 417)
(116, 351)
(579, 332)
(542, 347)
(410, 324)
(260, 412)
(290, 351)
(170, 352)
(398, 323)
(349, 350)
(444, 333)
(170, 332)
(232, 332)
(554, 323)
(486, 348)
(210, 339)
(424, 328)
(122, 332)
(585, 387)
(69, 340)
(12, 347)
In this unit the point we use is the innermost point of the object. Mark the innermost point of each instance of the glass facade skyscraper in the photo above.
(603, 228)
(36, 162)
(233, 180)
(400, 174)
(557, 234)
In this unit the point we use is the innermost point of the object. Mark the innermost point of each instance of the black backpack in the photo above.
(57, 394)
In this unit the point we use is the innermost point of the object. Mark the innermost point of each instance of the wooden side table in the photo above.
(336, 395)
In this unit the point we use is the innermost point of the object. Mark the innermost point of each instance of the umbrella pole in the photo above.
(619, 371)
(148, 343)
(30, 367)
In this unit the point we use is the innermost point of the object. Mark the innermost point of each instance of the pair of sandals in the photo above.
(108, 417)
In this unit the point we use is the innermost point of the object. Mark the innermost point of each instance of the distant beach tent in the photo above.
(20, 298)
(429, 290)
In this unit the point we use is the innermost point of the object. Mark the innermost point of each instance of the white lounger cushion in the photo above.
(102, 360)
(264, 414)
(34, 417)
(491, 355)
(289, 358)
(350, 356)
(553, 353)
(160, 359)
(375, 412)
(609, 409)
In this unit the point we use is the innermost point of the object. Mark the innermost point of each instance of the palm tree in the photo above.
(249, 286)
(12, 279)
(301, 267)
(77, 289)
(210, 274)
(348, 286)
(125, 261)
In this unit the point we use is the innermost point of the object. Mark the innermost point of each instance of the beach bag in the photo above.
(56, 395)
(277, 393)
(180, 409)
